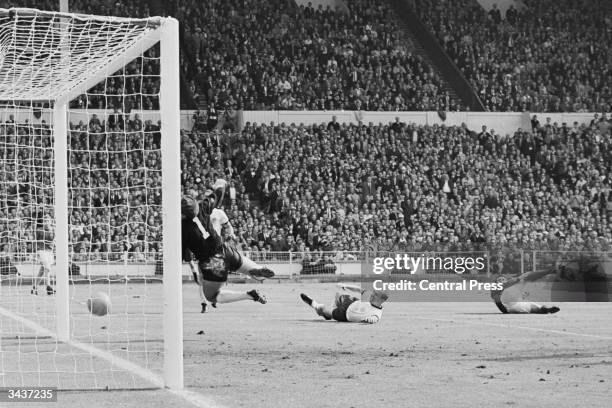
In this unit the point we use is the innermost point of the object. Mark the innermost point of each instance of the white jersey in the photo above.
(46, 258)
(359, 311)
(515, 300)
(218, 218)
(522, 307)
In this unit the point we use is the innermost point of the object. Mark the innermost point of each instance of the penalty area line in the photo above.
(192, 397)
(510, 326)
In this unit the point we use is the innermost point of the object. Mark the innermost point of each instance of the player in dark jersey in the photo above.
(215, 259)
(44, 252)
(513, 302)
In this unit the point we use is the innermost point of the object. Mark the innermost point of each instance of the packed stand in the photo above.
(135, 87)
(405, 187)
(550, 56)
(114, 185)
(331, 187)
(115, 188)
(257, 55)
(25, 194)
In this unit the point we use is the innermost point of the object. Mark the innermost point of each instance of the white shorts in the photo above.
(522, 307)
(45, 258)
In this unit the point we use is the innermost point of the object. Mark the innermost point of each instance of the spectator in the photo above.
(212, 117)
(547, 57)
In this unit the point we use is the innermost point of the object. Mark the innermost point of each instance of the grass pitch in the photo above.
(420, 355)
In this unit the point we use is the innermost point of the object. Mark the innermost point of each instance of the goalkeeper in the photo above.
(348, 308)
(513, 300)
(201, 236)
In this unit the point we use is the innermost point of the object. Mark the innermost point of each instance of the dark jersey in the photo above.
(496, 296)
(199, 238)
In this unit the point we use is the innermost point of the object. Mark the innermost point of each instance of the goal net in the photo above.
(89, 194)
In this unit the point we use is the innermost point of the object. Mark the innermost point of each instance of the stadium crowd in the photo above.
(336, 187)
(114, 182)
(329, 187)
(115, 187)
(404, 187)
(261, 55)
(550, 56)
(249, 54)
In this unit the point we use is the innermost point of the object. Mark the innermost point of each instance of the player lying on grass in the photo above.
(513, 301)
(215, 259)
(348, 308)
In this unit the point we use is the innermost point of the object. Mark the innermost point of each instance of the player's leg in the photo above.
(530, 307)
(197, 277)
(236, 262)
(321, 309)
(545, 309)
(46, 259)
(214, 277)
(214, 294)
(341, 304)
(36, 280)
(202, 295)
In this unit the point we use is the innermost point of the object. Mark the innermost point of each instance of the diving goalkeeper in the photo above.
(348, 308)
(215, 259)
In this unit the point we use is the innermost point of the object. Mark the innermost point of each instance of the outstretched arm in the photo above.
(528, 277)
(535, 275)
(351, 288)
(371, 319)
(228, 229)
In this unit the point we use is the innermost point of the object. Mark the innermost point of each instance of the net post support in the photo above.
(171, 210)
(62, 288)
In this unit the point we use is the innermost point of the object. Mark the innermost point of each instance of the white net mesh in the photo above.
(114, 196)
(45, 55)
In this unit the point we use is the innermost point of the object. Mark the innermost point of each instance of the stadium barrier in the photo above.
(284, 264)
(294, 264)
(501, 122)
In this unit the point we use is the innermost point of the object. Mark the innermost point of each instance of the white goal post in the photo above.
(48, 59)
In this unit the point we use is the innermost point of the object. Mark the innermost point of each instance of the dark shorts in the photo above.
(211, 290)
(342, 304)
(225, 260)
(213, 270)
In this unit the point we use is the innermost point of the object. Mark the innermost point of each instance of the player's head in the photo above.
(501, 279)
(209, 202)
(377, 298)
(189, 207)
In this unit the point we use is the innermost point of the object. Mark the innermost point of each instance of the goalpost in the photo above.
(90, 173)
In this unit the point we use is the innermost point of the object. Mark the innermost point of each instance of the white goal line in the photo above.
(193, 398)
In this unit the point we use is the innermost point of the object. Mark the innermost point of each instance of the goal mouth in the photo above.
(89, 194)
